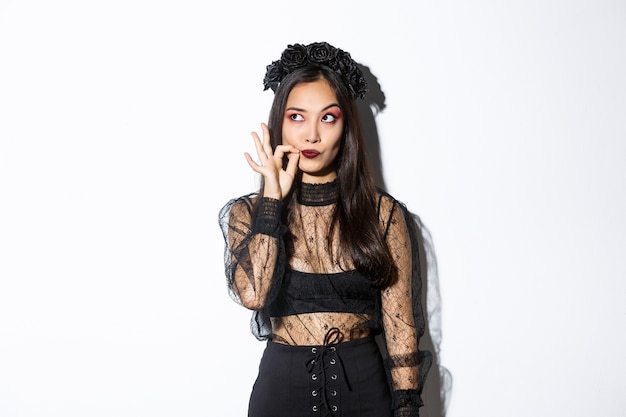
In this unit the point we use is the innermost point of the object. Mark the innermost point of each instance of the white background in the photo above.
(122, 129)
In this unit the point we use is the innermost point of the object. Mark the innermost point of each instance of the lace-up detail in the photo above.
(327, 368)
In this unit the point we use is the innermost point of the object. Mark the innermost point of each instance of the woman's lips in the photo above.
(309, 153)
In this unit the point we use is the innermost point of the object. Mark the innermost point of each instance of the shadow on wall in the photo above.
(369, 107)
(438, 386)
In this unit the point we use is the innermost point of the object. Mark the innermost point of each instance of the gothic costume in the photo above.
(337, 345)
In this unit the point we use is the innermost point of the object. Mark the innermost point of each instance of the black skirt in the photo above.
(340, 380)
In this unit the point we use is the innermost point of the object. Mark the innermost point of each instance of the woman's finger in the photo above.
(260, 150)
(281, 151)
(255, 167)
(267, 146)
(292, 164)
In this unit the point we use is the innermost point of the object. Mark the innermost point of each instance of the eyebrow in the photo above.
(304, 111)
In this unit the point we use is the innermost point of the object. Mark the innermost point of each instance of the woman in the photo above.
(327, 262)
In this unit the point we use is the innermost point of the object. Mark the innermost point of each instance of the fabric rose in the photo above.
(357, 83)
(344, 62)
(273, 75)
(322, 53)
(295, 56)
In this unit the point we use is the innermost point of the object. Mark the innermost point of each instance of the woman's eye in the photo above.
(328, 118)
(296, 117)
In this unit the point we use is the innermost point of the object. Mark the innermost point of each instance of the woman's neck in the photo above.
(318, 194)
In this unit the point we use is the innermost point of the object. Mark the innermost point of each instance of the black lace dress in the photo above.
(303, 293)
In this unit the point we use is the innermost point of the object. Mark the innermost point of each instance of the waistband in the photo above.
(307, 348)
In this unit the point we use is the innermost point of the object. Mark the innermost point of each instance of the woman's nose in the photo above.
(313, 135)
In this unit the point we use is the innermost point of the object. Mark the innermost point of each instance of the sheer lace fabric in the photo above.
(263, 248)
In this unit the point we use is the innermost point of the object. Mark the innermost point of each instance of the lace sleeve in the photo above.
(253, 249)
(402, 313)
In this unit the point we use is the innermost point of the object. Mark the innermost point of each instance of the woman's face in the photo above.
(313, 123)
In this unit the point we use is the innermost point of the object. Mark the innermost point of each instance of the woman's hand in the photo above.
(278, 181)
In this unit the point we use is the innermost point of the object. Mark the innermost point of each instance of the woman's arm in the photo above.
(399, 302)
(253, 245)
(253, 237)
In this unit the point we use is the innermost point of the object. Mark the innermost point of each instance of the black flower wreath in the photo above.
(318, 53)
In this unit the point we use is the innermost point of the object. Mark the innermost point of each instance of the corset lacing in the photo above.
(327, 368)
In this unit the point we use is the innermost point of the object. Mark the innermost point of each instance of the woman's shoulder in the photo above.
(387, 203)
(393, 211)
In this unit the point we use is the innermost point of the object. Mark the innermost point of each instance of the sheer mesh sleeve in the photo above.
(253, 255)
(402, 314)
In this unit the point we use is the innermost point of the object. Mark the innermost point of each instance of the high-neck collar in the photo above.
(318, 194)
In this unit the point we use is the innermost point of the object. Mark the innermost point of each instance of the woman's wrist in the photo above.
(267, 220)
(272, 190)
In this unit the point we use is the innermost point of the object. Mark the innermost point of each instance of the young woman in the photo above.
(327, 262)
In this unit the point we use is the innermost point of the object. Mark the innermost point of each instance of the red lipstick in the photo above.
(309, 153)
